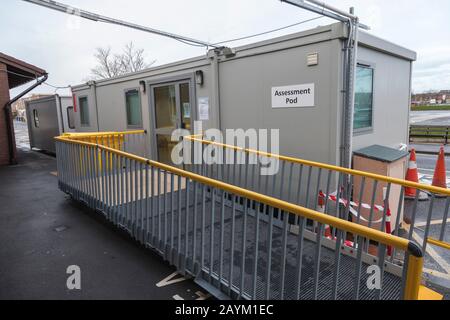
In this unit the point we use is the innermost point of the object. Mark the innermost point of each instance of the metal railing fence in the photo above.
(372, 200)
(225, 235)
(133, 142)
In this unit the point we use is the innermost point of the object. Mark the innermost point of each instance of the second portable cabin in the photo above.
(47, 118)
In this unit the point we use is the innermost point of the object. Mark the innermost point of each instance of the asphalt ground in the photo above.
(426, 165)
(43, 232)
(430, 118)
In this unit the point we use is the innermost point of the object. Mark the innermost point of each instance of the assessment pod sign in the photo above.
(295, 96)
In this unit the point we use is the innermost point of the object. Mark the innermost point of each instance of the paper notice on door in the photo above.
(203, 109)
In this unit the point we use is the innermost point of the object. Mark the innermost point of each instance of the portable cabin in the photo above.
(47, 118)
(293, 83)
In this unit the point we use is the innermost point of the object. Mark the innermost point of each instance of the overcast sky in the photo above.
(64, 46)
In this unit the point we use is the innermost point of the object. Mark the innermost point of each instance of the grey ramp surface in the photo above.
(176, 248)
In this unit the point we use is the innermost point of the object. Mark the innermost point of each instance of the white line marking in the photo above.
(437, 273)
(177, 297)
(432, 223)
(427, 179)
(168, 281)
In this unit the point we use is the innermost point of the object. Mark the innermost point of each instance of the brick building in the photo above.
(13, 73)
(441, 97)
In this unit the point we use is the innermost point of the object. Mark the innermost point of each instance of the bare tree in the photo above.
(111, 65)
(108, 65)
(133, 60)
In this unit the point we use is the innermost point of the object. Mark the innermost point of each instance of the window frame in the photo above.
(84, 125)
(154, 83)
(370, 129)
(131, 126)
(73, 117)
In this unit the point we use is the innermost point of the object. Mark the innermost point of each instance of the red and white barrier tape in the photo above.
(356, 205)
(357, 215)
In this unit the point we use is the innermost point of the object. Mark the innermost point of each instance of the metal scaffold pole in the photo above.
(351, 50)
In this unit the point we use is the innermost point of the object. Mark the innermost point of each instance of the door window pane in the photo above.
(165, 107)
(84, 111)
(363, 98)
(133, 104)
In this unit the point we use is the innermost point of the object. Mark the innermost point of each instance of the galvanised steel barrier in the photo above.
(225, 236)
(133, 142)
(372, 200)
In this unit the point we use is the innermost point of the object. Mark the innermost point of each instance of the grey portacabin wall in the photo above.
(42, 137)
(62, 103)
(65, 103)
(390, 101)
(246, 88)
(308, 133)
(92, 127)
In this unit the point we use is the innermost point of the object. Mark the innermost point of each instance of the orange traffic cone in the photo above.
(440, 176)
(413, 175)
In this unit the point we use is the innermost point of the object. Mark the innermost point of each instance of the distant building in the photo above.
(429, 98)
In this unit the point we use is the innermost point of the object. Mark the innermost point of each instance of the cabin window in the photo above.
(363, 117)
(36, 118)
(84, 111)
(70, 118)
(133, 106)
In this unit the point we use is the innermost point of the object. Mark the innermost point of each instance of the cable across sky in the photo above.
(269, 31)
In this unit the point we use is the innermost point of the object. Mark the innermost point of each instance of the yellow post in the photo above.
(414, 272)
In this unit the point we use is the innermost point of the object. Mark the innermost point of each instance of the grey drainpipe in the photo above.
(7, 108)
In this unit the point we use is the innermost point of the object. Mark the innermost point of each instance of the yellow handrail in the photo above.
(442, 244)
(358, 229)
(100, 134)
(404, 183)
(415, 264)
